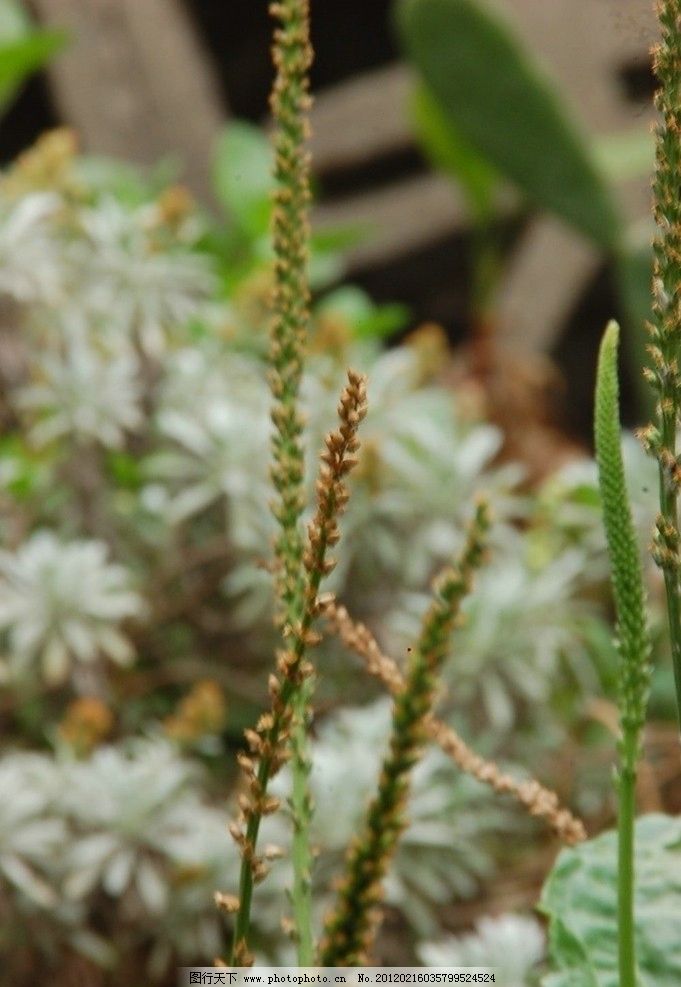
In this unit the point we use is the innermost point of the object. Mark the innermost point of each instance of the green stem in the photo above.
(625, 862)
(289, 690)
(486, 271)
(301, 807)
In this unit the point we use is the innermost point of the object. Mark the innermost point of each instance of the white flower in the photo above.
(31, 268)
(513, 944)
(214, 417)
(143, 289)
(62, 602)
(30, 833)
(124, 806)
(83, 395)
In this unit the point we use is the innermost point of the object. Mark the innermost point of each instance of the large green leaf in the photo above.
(451, 153)
(580, 900)
(500, 101)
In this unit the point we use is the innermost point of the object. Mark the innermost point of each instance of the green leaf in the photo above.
(18, 59)
(626, 155)
(499, 100)
(580, 900)
(449, 152)
(242, 175)
(125, 470)
(633, 278)
(366, 319)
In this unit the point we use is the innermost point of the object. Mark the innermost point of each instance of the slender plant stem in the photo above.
(290, 102)
(665, 328)
(625, 860)
(301, 809)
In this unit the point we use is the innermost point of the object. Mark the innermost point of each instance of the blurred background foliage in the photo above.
(135, 528)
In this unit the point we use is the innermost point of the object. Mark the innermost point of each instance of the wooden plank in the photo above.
(135, 82)
(544, 278)
(404, 217)
(365, 117)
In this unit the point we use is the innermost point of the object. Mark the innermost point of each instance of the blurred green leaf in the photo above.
(337, 238)
(497, 98)
(366, 319)
(125, 470)
(20, 58)
(633, 276)
(626, 155)
(243, 177)
(580, 900)
(449, 152)
(22, 471)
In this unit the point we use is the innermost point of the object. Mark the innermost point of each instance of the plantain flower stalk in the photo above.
(665, 329)
(633, 641)
(268, 742)
(290, 102)
(351, 927)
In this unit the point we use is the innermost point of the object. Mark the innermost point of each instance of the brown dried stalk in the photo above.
(534, 797)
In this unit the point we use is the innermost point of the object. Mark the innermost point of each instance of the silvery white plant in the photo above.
(213, 420)
(124, 807)
(140, 288)
(129, 822)
(31, 262)
(83, 394)
(31, 833)
(61, 604)
(106, 295)
(513, 944)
